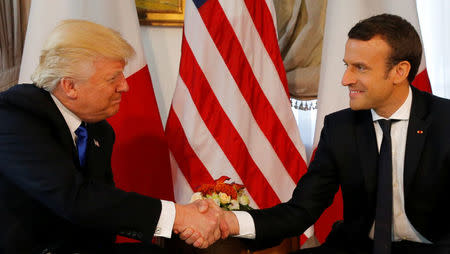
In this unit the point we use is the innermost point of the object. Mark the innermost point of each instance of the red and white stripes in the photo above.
(230, 113)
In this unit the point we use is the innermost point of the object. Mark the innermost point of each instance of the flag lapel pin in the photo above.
(420, 132)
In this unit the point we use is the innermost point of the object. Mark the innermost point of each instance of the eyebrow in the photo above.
(356, 63)
(114, 75)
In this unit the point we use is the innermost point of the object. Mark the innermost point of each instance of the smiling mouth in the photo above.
(354, 93)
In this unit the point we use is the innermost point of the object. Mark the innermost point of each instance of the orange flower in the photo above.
(229, 196)
(238, 187)
(219, 185)
(206, 189)
(222, 179)
(227, 189)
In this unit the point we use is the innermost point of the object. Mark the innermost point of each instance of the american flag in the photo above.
(230, 114)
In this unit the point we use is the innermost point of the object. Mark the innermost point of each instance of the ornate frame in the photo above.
(160, 12)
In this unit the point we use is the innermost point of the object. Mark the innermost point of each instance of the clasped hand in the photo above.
(203, 222)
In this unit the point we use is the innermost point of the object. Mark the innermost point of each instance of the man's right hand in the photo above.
(200, 223)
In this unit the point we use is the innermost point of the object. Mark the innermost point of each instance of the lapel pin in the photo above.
(419, 132)
(96, 143)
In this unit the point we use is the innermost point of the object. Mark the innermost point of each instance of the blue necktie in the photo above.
(383, 213)
(82, 137)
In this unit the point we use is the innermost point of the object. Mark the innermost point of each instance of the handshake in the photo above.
(203, 222)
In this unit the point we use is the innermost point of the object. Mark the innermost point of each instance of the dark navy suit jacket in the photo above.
(46, 199)
(347, 157)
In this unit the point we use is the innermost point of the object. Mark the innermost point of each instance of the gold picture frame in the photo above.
(160, 12)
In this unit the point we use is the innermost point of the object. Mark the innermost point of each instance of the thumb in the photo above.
(202, 206)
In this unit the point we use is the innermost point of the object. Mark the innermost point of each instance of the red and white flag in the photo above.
(433, 16)
(230, 114)
(332, 96)
(140, 159)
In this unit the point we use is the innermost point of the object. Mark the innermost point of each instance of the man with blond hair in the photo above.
(57, 193)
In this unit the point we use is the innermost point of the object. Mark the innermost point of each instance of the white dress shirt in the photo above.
(401, 226)
(167, 217)
(72, 121)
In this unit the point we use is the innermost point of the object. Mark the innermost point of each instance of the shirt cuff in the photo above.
(246, 225)
(166, 219)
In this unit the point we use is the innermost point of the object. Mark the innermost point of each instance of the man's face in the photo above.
(99, 96)
(369, 82)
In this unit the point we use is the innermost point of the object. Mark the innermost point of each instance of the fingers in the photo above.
(221, 227)
(224, 229)
(199, 243)
(217, 234)
(201, 223)
(193, 238)
(186, 234)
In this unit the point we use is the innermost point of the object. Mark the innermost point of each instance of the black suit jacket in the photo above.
(347, 157)
(46, 198)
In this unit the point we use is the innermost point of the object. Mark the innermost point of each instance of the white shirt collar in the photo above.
(402, 113)
(72, 121)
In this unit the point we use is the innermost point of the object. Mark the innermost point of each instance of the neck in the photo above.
(65, 100)
(394, 102)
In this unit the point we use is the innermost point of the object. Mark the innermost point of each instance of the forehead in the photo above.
(371, 51)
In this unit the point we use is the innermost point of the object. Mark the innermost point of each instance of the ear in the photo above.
(401, 71)
(68, 87)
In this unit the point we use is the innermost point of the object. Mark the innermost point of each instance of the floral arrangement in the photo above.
(229, 196)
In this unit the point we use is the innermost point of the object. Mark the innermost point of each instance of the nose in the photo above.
(123, 85)
(348, 78)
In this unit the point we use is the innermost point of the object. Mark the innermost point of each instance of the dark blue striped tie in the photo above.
(383, 212)
(82, 137)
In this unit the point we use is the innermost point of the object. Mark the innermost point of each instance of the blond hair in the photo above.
(74, 44)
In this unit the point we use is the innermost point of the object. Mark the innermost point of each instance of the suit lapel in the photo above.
(39, 102)
(62, 131)
(64, 135)
(419, 121)
(367, 148)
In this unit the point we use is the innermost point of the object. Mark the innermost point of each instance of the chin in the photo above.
(113, 111)
(356, 106)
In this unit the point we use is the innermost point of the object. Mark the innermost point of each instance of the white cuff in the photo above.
(246, 225)
(166, 219)
(309, 232)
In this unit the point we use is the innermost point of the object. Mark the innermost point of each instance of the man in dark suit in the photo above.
(57, 193)
(394, 186)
